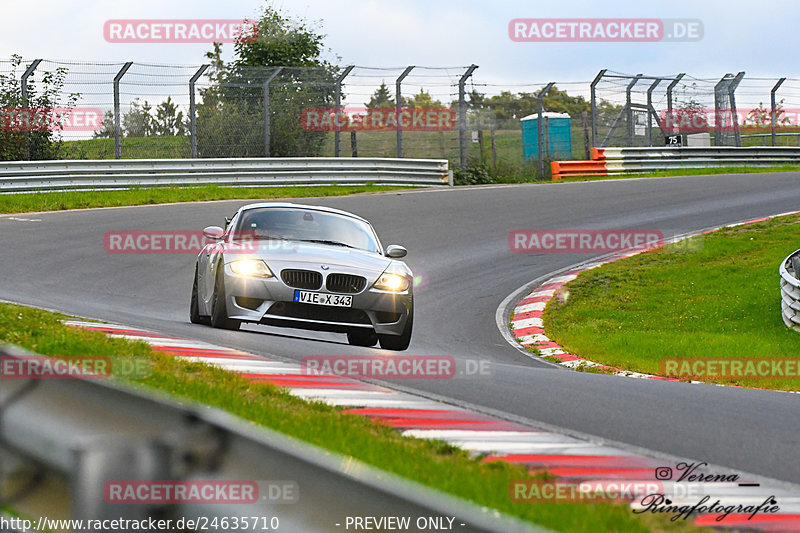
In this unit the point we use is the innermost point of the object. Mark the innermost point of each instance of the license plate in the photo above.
(319, 298)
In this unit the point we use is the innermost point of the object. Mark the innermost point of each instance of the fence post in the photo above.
(353, 143)
(731, 88)
(593, 105)
(669, 91)
(462, 114)
(773, 107)
(398, 104)
(338, 97)
(629, 115)
(266, 109)
(650, 111)
(539, 126)
(193, 109)
(24, 93)
(117, 127)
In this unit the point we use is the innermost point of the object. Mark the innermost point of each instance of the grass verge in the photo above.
(716, 301)
(431, 463)
(55, 201)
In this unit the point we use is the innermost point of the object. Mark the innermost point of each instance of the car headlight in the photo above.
(391, 282)
(255, 268)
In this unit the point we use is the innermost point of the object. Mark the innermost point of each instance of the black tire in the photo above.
(362, 337)
(194, 309)
(219, 311)
(398, 342)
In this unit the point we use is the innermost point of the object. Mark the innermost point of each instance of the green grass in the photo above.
(720, 301)
(54, 201)
(432, 463)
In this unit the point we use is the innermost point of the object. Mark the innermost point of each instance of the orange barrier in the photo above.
(567, 169)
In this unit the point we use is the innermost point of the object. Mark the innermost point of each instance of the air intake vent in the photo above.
(302, 279)
(346, 283)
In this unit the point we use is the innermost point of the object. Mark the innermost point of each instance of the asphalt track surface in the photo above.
(458, 244)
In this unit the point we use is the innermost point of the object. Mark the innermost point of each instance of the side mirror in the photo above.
(214, 232)
(395, 251)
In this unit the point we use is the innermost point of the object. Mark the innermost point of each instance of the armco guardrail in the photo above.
(613, 161)
(91, 432)
(34, 176)
(790, 290)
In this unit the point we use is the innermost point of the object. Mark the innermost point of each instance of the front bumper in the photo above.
(270, 301)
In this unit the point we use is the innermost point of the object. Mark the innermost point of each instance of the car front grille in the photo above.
(346, 283)
(302, 279)
(321, 313)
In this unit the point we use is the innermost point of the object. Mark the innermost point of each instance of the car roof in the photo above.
(302, 206)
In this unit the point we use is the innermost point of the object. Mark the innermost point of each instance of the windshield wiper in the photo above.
(323, 241)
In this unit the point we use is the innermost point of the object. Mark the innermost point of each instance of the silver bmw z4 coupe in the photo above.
(309, 267)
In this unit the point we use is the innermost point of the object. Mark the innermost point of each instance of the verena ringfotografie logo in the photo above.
(179, 31)
(166, 492)
(50, 119)
(583, 240)
(586, 30)
(378, 119)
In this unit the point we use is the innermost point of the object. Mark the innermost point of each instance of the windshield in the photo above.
(307, 225)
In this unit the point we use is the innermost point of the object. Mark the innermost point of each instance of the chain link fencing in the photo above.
(156, 111)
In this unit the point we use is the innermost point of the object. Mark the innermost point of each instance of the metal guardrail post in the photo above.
(193, 109)
(539, 126)
(593, 104)
(338, 105)
(462, 115)
(267, 127)
(23, 87)
(117, 120)
(774, 108)
(399, 105)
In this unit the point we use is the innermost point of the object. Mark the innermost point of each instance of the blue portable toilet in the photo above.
(558, 131)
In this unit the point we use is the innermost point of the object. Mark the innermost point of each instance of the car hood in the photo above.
(293, 254)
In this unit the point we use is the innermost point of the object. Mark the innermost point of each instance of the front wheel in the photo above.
(219, 311)
(194, 309)
(398, 342)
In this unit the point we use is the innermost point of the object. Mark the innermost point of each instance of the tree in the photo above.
(230, 117)
(168, 121)
(138, 122)
(107, 127)
(18, 141)
(421, 99)
(381, 98)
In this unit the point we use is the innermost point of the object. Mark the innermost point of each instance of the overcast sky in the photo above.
(759, 38)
